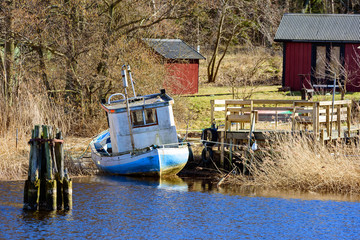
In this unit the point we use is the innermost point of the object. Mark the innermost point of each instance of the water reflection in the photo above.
(31, 216)
(176, 183)
(169, 183)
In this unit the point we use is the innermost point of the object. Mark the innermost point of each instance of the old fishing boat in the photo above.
(142, 138)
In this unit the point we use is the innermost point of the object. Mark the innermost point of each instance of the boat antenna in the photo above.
(125, 84)
(131, 79)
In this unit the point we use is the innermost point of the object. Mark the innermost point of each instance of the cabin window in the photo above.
(327, 62)
(137, 118)
(145, 117)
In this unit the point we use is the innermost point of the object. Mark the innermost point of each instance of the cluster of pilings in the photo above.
(48, 186)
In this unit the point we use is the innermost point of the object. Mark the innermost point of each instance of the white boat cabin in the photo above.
(151, 118)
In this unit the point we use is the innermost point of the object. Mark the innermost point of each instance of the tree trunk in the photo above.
(42, 66)
(9, 82)
(211, 70)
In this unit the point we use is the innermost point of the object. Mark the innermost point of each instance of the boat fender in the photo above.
(209, 136)
(207, 155)
(191, 154)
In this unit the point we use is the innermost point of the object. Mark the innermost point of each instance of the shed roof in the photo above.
(319, 28)
(173, 49)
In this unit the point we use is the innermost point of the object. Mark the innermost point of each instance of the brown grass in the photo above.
(298, 163)
(13, 162)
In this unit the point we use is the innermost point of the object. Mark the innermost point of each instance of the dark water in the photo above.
(121, 208)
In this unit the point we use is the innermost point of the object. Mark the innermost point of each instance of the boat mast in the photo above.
(125, 83)
(131, 79)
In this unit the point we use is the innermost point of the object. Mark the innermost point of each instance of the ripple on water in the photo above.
(118, 207)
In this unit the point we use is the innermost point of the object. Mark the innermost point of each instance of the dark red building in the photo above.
(318, 47)
(182, 63)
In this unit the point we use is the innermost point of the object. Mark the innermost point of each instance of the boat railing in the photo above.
(116, 94)
(170, 145)
(132, 99)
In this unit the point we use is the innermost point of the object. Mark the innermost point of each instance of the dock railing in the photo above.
(264, 110)
(322, 117)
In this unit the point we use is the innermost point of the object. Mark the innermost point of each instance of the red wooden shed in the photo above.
(182, 63)
(318, 47)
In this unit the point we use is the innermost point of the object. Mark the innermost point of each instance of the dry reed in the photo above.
(299, 163)
(13, 162)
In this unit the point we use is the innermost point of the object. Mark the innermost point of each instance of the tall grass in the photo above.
(13, 161)
(299, 163)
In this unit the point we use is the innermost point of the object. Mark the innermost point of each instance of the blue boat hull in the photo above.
(155, 162)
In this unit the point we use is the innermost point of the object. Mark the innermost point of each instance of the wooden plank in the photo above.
(304, 103)
(239, 118)
(317, 112)
(222, 138)
(314, 120)
(303, 111)
(328, 118)
(274, 108)
(338, 102)
(272, 101)
(239, 109)
(238, 102)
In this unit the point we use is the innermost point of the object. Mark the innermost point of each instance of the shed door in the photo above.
(327, 62)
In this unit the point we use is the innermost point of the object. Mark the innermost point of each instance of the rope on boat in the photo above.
(82, 155)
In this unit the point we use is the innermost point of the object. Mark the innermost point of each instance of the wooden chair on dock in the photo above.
(238, 111)
(303, 114)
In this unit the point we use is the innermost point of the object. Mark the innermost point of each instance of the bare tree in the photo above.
(346, 72)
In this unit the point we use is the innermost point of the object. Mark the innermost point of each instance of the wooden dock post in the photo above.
(50, 182)
(59, 175)
(46, 172)
(32, 184)
(231, 153)
(222, 137)
(348, 119)
(67, 191)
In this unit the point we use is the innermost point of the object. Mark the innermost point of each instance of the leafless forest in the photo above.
(58, 58)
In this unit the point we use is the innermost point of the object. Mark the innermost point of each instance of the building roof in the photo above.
(173, 49)
(319, 28)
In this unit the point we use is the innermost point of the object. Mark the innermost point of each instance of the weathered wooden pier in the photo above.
(241, 122)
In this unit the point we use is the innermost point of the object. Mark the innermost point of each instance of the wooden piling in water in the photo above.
(67, 192)
(44, 189)
(59, 175)
(32, 184)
